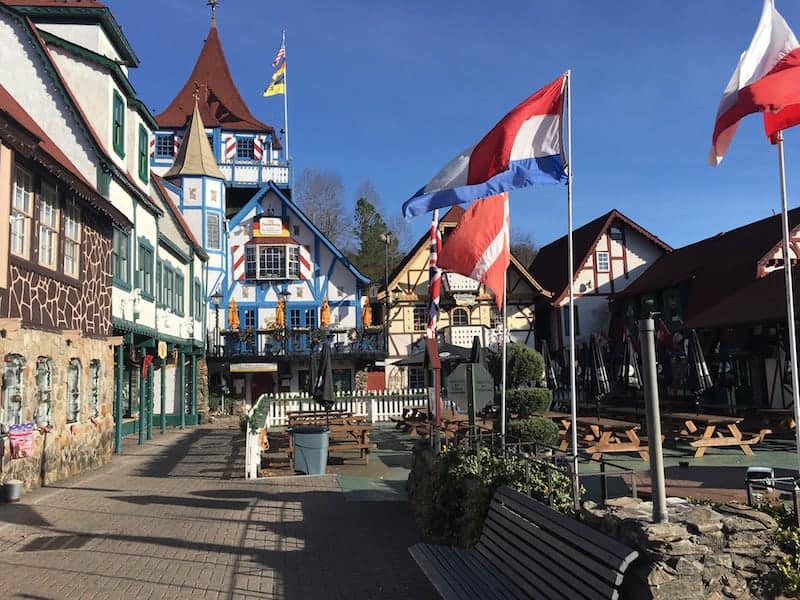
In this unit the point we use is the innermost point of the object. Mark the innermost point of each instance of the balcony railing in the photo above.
(299, 342)
(252, 173)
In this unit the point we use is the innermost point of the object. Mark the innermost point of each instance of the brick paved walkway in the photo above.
(175, 519)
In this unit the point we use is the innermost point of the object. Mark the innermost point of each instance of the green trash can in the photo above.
(310, 449)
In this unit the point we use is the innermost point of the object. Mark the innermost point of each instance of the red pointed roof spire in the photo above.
(220, 102)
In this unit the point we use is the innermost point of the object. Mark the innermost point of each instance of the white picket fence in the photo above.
(377, 406)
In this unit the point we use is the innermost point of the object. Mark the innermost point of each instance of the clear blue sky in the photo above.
(391, 91)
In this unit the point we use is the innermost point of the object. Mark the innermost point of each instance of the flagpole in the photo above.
(285, 100)
(787, 273)
(573, 401)
(434, 283)
(504, 367)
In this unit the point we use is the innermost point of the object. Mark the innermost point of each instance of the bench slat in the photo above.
(587, 577)
(505, 558)
(566, 527)
(574, 548)
(435, 574)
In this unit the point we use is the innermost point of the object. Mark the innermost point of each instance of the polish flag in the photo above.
(479, 246)
(766, 80)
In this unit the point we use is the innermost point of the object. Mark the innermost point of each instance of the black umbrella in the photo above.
(597, 373)
(629, 374)
(323, 388)
(549, 368)
(476, 355)
(699, 378)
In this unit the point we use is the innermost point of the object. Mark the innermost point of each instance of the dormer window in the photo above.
(118, 125)
(165, 145)
(272, 261)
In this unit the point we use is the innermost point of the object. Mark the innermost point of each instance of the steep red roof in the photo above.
(10, 107)
(715, 267)
(549, 266)
(219, 101)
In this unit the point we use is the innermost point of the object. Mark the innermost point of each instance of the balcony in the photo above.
(248, 173)
(462, 335)
(362, 344)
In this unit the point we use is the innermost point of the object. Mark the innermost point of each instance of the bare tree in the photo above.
(319, 195)
(522, 246)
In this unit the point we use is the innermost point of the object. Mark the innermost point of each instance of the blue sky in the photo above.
(391, 91)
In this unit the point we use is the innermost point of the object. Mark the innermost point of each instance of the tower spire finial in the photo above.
(213, 5)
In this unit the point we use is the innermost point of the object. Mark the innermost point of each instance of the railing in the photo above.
(378, 406)
(254, 173)
(296, 342)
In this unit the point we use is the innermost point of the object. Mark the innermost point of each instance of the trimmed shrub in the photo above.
(525, 402)
(533, 429)
(524, 366)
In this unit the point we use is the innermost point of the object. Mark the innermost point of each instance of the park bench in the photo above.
(527, 550)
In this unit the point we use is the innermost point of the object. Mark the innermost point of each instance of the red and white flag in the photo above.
(479, 246)
(766, 80)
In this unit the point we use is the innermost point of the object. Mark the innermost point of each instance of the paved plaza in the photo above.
(176, 519)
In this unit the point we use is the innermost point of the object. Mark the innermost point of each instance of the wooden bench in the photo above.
(527, 550)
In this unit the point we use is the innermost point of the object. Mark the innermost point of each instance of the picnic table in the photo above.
(706, 431)
(600, 435)
(346, 431)
(780, 418)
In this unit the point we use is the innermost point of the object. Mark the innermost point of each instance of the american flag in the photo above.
(435, 276)
(281, 53)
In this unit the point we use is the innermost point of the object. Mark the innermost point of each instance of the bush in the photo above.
(524, 366)
(788, 538)
(533, 429)
(453, 506)
(525, 402)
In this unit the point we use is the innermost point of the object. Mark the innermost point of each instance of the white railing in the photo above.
(254, 173)
(377, 406)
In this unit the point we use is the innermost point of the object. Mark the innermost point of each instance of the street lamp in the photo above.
(216, 299)
(386, 238)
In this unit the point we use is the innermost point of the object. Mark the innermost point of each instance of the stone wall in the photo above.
(202, 390)
(701, 553)
(62, 449)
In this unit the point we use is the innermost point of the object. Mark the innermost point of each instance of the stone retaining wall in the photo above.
(702, 553)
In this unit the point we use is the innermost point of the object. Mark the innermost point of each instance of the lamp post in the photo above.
(386, 238)
(216, 299)
(285, 295)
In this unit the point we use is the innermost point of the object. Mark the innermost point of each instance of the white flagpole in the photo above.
(573, 400)
(285, 100)
(504, 368)
(787, 273)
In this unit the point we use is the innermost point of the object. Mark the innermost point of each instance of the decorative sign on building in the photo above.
(271, 226)
(455, 283)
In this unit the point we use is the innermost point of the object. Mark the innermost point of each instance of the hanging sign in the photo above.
(162, 350)
(269, 226)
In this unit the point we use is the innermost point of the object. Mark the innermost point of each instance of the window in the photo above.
(212, 231)
(120, 256)
(104, 183)
(249, 319)
(342, 380)
(145, 270)
(565, 312)
(179, 305)
(72, 239)
(459, 317)
(198, 300)
(165, 145)
(118, 125)
(94, 388)
(48, 226)
(21, 211)
(311, 317)
(159, 283)
(144, 140)
(244, 149)
(616, 233)
(294, 318)
(416, 378)
(44, 390)
(73, 390)
(294, 261)
(420, 318)
(13, 388)
(169, 286)
(495, 318)
(210, 137)
(602, 262)
(272, 262)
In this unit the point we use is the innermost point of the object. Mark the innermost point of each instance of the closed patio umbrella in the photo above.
(628, 374)
(549, 368)
(233, 314)
(325, 313)
(597, 373)
(323, 388)
(699, 379)
(366, 314)
(280, 314)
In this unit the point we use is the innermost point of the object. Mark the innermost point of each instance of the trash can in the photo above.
(310, 449)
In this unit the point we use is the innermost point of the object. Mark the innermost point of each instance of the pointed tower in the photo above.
(246, 150)
(201, 185)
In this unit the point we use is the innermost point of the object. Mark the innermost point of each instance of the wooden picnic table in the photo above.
(781, 418)
(707, 431)
(316, 419)
(600, 435)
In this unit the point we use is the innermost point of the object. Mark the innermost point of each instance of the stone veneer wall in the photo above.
(68, 448)
(202, 390)
(701, 553)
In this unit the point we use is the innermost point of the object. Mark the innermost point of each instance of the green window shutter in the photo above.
(118, 125)
(104, 183)
(143, 148)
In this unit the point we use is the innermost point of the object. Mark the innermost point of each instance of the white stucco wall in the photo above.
(91, 37)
